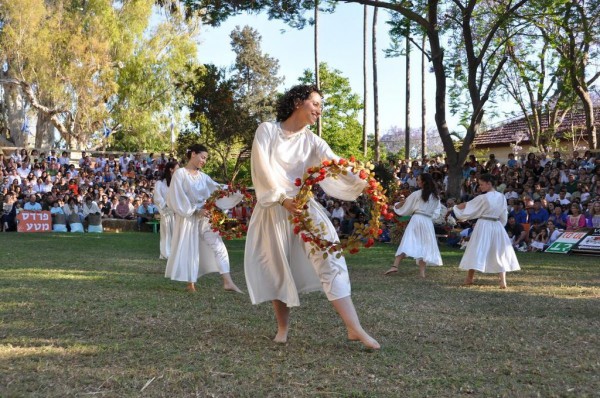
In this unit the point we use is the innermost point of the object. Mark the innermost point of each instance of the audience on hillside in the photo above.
(544, 194)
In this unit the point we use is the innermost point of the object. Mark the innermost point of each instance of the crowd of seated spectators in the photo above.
(545, 194)
(110, 187)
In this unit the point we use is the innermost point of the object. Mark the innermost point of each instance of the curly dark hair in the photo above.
(291, 98)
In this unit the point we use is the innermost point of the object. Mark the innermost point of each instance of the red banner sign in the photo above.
(34, 221)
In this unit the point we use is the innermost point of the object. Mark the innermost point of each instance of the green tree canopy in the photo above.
(341, 107)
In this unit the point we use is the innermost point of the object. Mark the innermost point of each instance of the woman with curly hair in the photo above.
(278, 264)
(418, 240)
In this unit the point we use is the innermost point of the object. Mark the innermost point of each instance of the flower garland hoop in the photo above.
(363, 235)
(228, 228)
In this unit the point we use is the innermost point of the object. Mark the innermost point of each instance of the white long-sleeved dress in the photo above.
(195, 249)
(167, 217)
(419, 240)
(489, 249)
(278, 264)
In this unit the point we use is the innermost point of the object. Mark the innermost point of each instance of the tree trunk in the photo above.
(407, 92)
(44, 131)
(588, 107)
(375, 90)
(14, 104)
(365, 82)
(454, 159)
(317, 75)
(454, 183)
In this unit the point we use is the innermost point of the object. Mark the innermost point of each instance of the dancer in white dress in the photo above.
(419, 241)
(489, 249)
(195, 249)
(167, 217)
(278, 264)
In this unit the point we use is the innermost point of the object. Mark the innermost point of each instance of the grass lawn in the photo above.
(93, 315)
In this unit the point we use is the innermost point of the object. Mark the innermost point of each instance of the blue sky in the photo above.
(340, 46)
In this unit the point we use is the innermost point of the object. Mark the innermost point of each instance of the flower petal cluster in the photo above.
(364, 235)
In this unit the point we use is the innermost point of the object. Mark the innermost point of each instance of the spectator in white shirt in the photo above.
(551, 196)
(90, 207)
(64, 159)
(38, 187)
(543, 159)
(14, 176)
(74, 173)
(510, 193)
(338, 211)
(124, 161)
(23, 170)
(100, 162)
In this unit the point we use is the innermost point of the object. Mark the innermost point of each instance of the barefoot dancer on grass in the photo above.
(489, 249)
(195, 249)
(419, 241)
(278, 264)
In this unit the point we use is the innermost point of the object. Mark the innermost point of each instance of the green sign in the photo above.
(565, 242)
(560, 247)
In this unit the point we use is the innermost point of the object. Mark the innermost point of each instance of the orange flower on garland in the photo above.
(228, 228)
(364, 235)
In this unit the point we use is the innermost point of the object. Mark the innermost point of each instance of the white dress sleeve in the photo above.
(177, 199)
(475, 208)
(159, 197)
(267, 190)
(410, 205)
(345, 187)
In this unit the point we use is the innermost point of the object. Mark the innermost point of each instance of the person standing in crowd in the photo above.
(9, 215)
(419, 241)
(195, 249)
(278, 264)
(489, 249)
(167, 216)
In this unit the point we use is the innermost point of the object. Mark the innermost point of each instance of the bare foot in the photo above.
(393, 269)
(502, 279)
(190, 288)
(468, 282)
(231, 287)
(422, 271)
(364, 338)
(281, 337)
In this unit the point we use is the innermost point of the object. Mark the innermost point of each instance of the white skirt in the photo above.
(419, 241)
(489, 249)
(280, 266)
